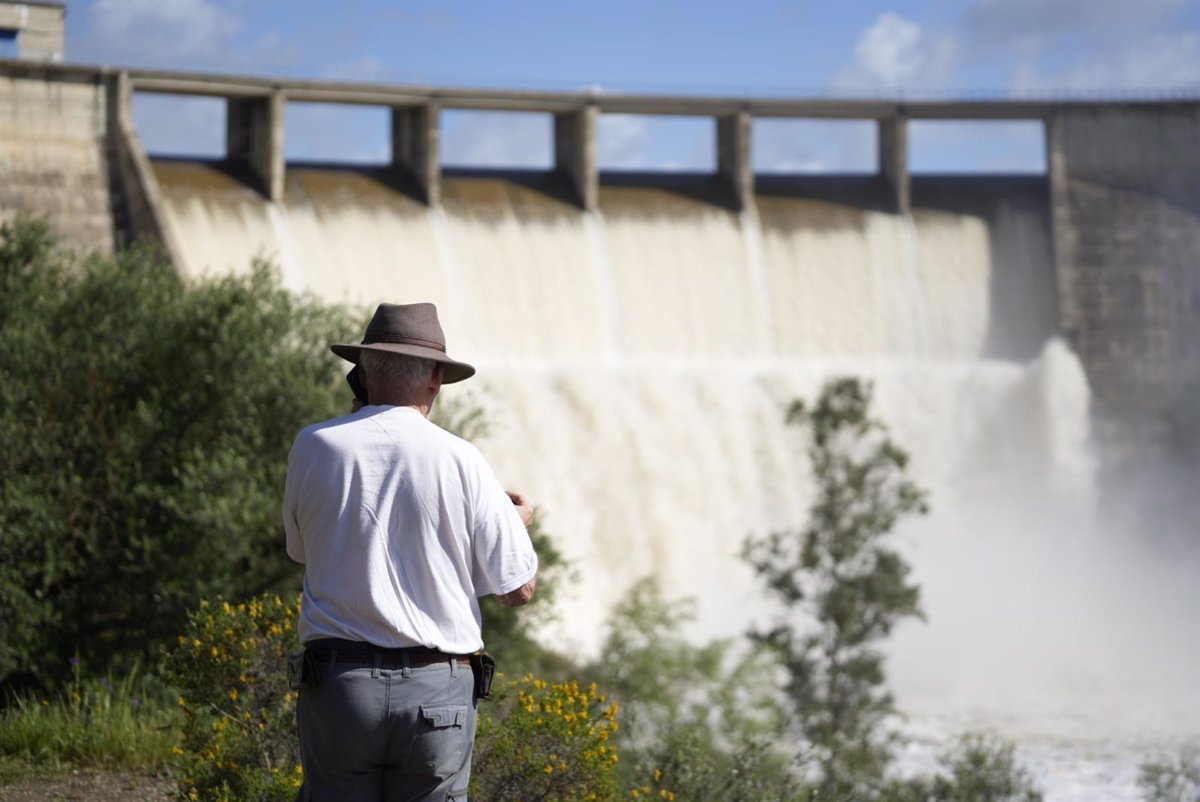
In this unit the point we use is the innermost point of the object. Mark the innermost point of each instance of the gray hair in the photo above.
(390, 368)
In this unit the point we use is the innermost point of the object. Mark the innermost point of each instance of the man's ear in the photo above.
(435, 378)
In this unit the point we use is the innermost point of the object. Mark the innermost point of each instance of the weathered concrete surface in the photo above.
(893, 161)
(53, 157)
(734, 134)
(1126, 210)
(40, 27)
(575, 152)
(254, 140)
(416, 137)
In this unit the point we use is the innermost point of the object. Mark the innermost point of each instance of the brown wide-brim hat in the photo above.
(410, 329)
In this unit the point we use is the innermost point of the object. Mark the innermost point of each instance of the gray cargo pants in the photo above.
(372, 732)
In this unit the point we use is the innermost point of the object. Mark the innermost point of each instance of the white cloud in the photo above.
(180, 35)
(191, 32)
(895, 53)
(814, 146)
(1036, 23)
(497, 139)
(1161, 61)
(621, 142)
(175, 125)
(1093, 45)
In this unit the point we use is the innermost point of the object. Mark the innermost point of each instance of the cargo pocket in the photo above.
(440, 743)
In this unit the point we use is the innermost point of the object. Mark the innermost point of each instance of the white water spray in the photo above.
(635, 365)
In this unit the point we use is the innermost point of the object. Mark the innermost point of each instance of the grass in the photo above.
(131, 724)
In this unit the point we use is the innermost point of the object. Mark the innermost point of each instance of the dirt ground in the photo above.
(93, 786)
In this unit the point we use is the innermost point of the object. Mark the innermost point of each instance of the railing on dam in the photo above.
(254, 135)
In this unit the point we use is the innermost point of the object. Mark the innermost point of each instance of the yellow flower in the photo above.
(233, 695)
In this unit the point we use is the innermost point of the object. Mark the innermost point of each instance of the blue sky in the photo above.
(735, 47)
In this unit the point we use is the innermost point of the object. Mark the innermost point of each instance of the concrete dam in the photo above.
(1034, 341)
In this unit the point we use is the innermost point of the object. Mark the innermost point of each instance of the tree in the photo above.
(146, 425)
(698, 721)
(842, 588)
(978, 768)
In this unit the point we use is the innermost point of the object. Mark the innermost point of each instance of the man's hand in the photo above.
(524, 508)
(520, 596)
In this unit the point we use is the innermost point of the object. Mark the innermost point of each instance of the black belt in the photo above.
(342, 651)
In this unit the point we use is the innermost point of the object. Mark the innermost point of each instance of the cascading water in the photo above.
(635, 364)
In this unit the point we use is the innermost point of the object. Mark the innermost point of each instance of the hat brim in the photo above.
(452, 370)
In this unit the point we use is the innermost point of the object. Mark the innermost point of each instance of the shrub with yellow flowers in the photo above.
(545, 741)
(239, 739)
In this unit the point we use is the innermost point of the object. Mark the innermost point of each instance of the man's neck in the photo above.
(391, 399)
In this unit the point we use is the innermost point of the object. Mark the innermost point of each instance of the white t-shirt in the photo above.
(401, 526)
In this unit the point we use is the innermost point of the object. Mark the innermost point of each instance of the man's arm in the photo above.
(519, 597)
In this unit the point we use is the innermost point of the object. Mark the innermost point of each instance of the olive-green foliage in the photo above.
(978, 768)
(696, 719)
(1175, 779)
(545, 741)
(239, 733)
(536, 740)
(842, 587)
(146, 425)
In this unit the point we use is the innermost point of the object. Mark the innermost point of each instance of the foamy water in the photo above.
(635, 364)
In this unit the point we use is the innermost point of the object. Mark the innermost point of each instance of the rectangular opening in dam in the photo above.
(649, 143)
(1008, 147)
(497, 139)
(336, 133)
(790, 146)
(180, 126)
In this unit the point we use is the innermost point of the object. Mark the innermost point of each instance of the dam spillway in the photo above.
(636, 359)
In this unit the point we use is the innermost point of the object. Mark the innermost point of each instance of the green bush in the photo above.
(146, 424)
(539, 740)
(239, 732)
(1175, 779)
(536, 740)
(978, 768)
(699, 720)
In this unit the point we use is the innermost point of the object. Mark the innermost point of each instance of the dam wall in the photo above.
(54, 152)
(574, 271)
(1126, 206)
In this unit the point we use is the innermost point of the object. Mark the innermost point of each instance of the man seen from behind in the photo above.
(401, 527)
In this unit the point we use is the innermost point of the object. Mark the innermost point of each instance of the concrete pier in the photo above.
(415, 147)
(893, 160)
(575, 153)
(733, 156)
(254, 140)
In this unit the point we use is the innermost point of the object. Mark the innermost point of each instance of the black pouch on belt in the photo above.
(484, 669)
(302, 670)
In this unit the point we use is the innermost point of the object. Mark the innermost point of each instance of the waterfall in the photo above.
(635, 364)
